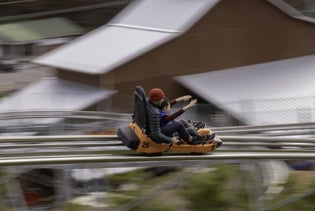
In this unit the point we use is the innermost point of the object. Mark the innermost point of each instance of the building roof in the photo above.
(48, 94)
(54, 94)
(269, 93)
(140, 27)
(30, 31)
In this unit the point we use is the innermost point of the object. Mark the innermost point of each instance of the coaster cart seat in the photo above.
(136, 135)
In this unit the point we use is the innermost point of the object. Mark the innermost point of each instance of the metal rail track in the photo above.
(137, 160)
(241, 144)
(107, 149)
(244, 142)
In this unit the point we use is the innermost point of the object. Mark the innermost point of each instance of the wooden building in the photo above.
(227, 34)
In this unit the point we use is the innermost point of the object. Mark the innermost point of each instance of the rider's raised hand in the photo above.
(192, 103)
(183, 98)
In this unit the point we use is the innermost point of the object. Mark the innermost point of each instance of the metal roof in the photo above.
(30, 31)
(269, 93)
(54, 94)
(48, 94)
(168, 15)
(140, 27)
(104, 50)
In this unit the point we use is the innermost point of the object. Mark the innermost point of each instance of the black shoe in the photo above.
(199, 139)
(211, 136)
(219, 143)
(199, 125)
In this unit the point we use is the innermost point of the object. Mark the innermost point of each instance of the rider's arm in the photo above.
(168, 118)
(173, 116)
(173, 102)
(184, 98)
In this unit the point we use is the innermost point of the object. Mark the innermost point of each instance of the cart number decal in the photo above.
(145, 144)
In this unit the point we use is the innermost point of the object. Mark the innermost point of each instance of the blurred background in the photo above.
(70, 68)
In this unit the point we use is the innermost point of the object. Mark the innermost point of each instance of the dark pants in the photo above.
(189, 127)
(175, 127)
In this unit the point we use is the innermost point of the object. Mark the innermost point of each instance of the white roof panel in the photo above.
(49, 94)
(173, 15)
(140, 27)
(104, 49)
(54, 94)
(269, 93)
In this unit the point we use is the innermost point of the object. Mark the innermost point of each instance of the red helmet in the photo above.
(156, 94)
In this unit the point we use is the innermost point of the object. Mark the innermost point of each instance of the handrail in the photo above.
(63, 138)
(127, 160)
(63, 114)
(260, 128)
(250, 138)
(126, 117)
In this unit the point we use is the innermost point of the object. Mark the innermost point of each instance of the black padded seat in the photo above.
(139, 117)
(140, 110)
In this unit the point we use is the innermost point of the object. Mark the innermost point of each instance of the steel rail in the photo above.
(61, 145)
(110, 143)
(15, 139)
(127, 117)
(268, 144)
(244, 138)
(263, 129)
(63, 114)
(79, 152)
(266, 130)
(291, 125)
(110, 155)
(81, 145)
(136, 160)
(74, 148)
(250, 138)
(115, 152)
(117, 148)
(71, 143)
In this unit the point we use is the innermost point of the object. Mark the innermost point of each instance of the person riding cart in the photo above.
(145, 135)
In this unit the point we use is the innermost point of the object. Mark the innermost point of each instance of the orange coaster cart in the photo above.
(135, 137)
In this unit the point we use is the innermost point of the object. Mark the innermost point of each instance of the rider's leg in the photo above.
(176, 127)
